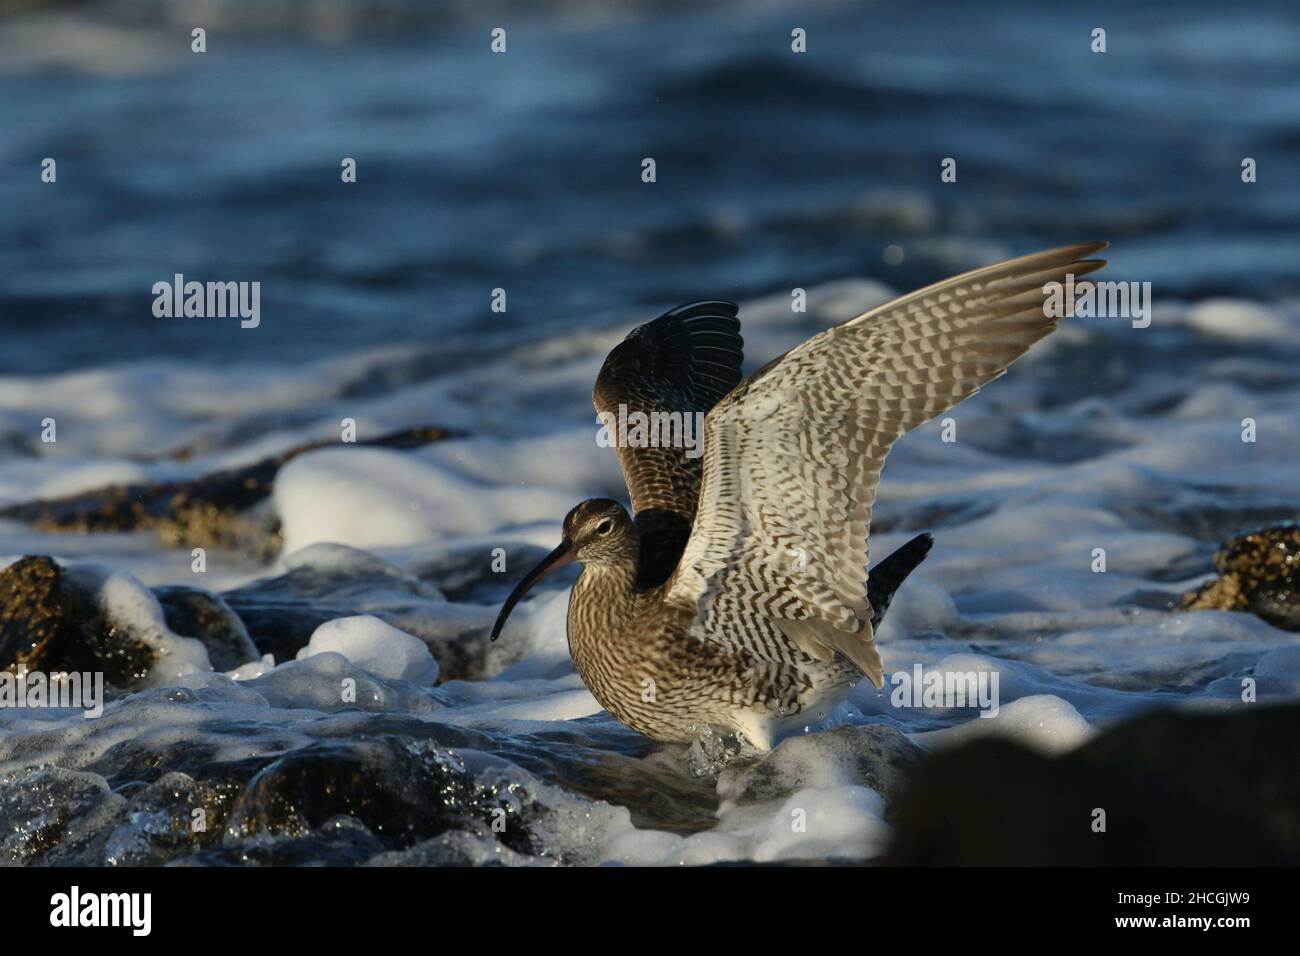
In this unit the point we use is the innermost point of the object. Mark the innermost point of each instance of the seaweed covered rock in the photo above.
(1259, 573)
(228, 509)
(85, 618)
(49, 623)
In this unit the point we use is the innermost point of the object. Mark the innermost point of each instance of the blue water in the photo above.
(522, 170)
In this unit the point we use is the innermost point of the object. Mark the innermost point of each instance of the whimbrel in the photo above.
(737, 600)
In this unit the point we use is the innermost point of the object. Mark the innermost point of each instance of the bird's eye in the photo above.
(605, 527)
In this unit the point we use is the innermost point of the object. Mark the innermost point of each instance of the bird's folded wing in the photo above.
(792, 457)
(679, 365)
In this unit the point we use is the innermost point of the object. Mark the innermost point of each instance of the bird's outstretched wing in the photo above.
(792, 457)
(683, 362)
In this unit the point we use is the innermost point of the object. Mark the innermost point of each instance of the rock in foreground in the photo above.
(1176, 789)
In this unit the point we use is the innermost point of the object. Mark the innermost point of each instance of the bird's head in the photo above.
(597, 533)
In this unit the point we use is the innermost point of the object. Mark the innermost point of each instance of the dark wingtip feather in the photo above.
(693, 350)
(888, 574)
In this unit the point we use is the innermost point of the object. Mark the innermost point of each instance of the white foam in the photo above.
(1238, 319)
(89, 476)
(366, 497)
(253, 669)
(845, 822)
(377, 646)
(1042, 721)
(131, 607)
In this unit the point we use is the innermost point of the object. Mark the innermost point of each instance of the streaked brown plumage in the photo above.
(737, 600)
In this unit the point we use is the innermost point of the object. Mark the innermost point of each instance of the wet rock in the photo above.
(466, 574)
(316, 781)
(328, 582)
(458, 639)
(1177, 790)
(280, 628)
(174, 815)
(342, 841)
(874, 755)
(322, 583)
(193, 612)
(1259, 573)
(400, 791)
(325, 804)
(51, 816)
(49, 623)
(344, 575)
(622, 768)
(226, 509)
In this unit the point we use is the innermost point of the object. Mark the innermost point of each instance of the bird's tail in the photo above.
(888, 574)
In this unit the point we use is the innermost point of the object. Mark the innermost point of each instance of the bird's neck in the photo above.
(603, 603)
(614, 582)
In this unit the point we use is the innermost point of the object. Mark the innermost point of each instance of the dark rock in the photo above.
(282, 612)
(400, 791)
(1259, 573)
(1177, 789)
(652, 781)
(49, 624)
(280, 629)
(174, 815)
(466, 574)
(192, 612)
(1244, 761)
(51, 816)
(342, 841)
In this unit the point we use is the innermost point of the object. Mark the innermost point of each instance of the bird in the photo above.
(735, 598)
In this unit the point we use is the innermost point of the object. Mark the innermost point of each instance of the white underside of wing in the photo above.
(793, 456)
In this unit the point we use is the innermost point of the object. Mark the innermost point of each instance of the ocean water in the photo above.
(521, 171)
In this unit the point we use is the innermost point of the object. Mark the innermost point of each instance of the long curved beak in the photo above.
(556, 559)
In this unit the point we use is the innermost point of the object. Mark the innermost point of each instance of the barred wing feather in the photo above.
(777, 556)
